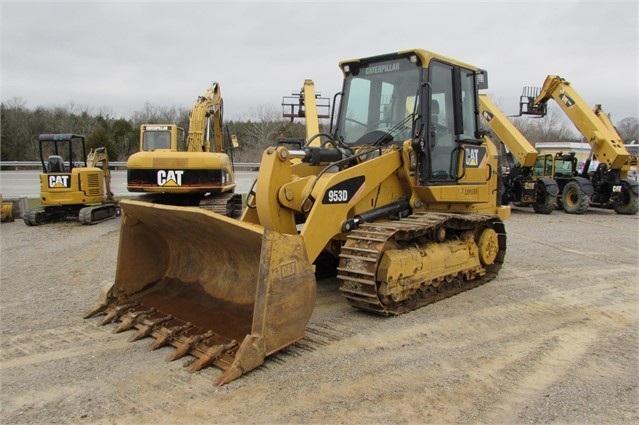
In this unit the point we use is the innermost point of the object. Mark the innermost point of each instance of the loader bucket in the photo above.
(228, 293)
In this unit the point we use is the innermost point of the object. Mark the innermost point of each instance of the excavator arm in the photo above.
(207, 107)
(100, 155)
(607, 146)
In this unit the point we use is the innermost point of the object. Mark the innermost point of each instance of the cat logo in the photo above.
(59, 181)
(170, 178)
(474, 156)
(566, 99)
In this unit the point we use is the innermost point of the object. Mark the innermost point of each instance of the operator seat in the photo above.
(55, 164)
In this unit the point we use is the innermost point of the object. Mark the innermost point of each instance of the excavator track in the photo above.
(86, 215)
(98, 213)
(228, 204)
(364, 250)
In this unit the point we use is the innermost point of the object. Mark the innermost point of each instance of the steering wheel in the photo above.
(370, 126)
(374, 138)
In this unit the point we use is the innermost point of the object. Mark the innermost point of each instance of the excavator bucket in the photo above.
(226, 292)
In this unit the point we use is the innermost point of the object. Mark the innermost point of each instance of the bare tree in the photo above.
(159, 115)
(628, 129)
(264, 122)
(554, 127)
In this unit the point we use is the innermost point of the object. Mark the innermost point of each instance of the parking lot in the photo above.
(552, 339)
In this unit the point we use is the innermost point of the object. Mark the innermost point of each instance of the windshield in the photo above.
(157, 140)
(379, 96)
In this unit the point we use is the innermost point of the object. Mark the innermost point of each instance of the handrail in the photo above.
(27, 165)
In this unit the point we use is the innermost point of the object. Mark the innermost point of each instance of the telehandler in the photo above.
(402, 191)
(520, 186)
(72, 190)
(609, 185)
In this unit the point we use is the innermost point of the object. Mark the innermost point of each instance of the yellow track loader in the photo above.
(401, 192)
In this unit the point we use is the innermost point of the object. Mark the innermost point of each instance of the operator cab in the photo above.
(55, 147)
(162, 137)
(411, 95)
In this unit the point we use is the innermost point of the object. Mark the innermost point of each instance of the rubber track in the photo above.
(360, 256)
(98, 214)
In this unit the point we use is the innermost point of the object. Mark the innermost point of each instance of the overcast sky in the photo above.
(116, 56)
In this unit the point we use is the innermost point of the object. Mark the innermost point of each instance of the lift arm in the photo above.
(524, 151)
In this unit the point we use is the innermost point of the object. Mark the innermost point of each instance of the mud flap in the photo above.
(203, 282)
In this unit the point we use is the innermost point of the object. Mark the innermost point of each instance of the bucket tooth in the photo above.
(166, 338)
(133, 319)
(250, 355)
(147, 329)
(97, 308)
(210, 356)
(183, 348)
(117, 312)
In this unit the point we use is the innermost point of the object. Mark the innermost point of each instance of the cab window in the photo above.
(157, 140)
(443, 161)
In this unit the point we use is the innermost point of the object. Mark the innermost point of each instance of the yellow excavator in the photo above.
(191, 171)
(520, 186)
(71, 190)
(609, 185)
(402, 192)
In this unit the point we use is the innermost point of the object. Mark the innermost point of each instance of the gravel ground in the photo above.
(553, 339)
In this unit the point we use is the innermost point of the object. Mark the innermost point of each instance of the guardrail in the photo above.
(37, 165)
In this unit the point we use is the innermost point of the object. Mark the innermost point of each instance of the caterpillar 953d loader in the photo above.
(70, 189)
(609, 185)
(402, 191)
(196, 170)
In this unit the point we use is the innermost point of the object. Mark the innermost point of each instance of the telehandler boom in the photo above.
(402, 192)
(609, 185)
(519, 184)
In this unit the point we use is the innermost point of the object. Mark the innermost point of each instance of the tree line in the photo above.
(20, 127)
(263, 125)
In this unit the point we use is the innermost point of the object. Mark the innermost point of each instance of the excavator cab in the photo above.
(163, 136)
(405, 229)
